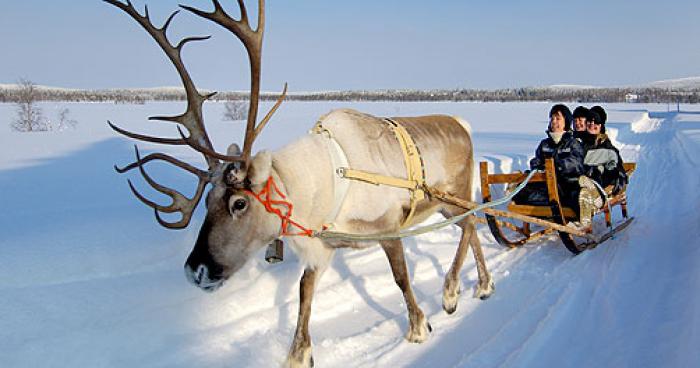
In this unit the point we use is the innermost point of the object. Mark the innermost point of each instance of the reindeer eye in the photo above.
(238, 205)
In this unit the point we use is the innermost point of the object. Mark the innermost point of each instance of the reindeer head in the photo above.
(235, 225)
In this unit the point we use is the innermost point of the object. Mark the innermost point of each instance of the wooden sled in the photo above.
(552, 217)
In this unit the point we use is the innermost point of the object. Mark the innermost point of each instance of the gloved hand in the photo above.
(619, 184)
(623, 176)
(592, 172)
(536, 164)
(610, 165)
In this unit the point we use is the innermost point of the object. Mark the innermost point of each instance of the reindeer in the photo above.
(294, 192)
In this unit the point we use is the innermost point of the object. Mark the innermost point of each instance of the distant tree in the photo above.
(29, 116)
(235, 110)
(64, 121)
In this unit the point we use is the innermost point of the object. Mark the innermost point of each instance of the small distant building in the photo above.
(631, 97)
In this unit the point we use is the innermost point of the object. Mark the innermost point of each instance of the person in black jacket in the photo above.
(567, 153)
(603, 165)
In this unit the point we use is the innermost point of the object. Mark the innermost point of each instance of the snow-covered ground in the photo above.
(88, 278)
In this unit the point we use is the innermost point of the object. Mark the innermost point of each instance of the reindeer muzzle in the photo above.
(202, 278)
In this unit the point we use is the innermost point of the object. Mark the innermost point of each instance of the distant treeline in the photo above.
(587, 95)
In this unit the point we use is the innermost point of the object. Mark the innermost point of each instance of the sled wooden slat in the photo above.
(539, 211)
(515, 178)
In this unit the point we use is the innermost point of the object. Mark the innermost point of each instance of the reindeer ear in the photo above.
(260, 168)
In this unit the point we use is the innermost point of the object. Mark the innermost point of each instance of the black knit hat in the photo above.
(601, 112)
(595, 117)
(565, 112)
(580, 112)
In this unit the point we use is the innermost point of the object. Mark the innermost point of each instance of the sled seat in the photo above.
(546, 211)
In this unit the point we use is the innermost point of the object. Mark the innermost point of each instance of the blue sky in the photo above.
(362, 44)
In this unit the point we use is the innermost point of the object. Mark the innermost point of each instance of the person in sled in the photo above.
(580, 116)
(567, 153)
(602, 164)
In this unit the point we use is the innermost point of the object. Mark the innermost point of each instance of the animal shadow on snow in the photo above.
(83, 180)
(358, 280)
(62, 194)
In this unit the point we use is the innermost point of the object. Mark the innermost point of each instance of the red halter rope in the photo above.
(282, 208)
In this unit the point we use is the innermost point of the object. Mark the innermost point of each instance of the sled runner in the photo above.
(551, 217)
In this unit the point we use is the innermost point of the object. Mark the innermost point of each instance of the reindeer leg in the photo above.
(418, 326)
(300, 351)
(452, 286)
(486, 286)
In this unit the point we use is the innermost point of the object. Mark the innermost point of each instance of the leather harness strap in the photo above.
(415, 180)
(339, 161)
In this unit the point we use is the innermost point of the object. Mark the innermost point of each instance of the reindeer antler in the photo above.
(192, 118)
(252, 40)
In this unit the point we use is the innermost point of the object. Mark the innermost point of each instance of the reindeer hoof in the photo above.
(302, 360)
(419, 333)
(484, 293)
(450, 297)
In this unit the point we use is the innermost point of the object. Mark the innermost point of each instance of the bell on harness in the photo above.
(275, 252)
